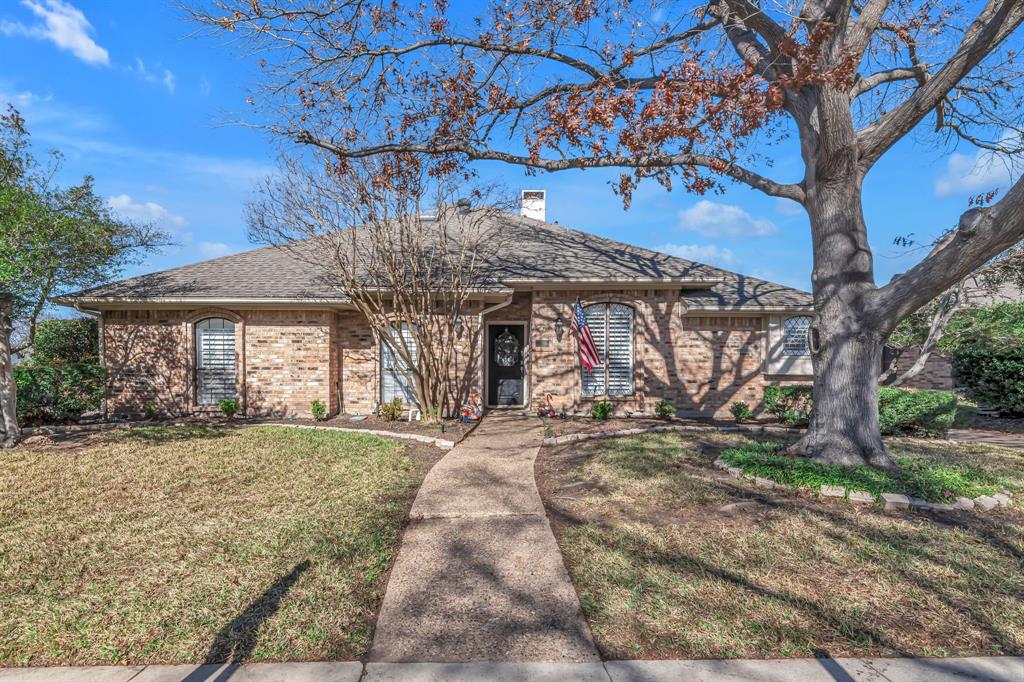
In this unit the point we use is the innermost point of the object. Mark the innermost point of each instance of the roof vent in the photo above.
(532, 204)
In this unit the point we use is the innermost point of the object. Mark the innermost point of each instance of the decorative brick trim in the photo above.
(699, 428)
(429, 440)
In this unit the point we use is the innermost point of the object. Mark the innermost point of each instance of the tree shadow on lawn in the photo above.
(235, 641)
(913, 558)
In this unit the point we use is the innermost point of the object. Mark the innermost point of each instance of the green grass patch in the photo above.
(919, 477)
(192, 544)
(664, 571)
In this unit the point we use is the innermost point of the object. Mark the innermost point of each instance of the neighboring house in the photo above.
(263, 326)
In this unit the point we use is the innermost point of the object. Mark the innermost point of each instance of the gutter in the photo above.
(481, 351)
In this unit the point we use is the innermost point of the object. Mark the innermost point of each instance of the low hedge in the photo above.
(57, 394)
(919, 478)
(992, 377)
(900, 411)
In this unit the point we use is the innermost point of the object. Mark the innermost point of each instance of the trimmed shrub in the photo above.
(740, 411)
(319, 410)
(392, 410)
(992, 377)
(66, 342)
(665, 409)
(57, 394)
(790, 404)
(601, 410)
(918, 413)
(229, 406)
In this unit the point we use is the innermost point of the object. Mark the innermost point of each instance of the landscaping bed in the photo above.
(450, 429)
(673, 558)
(199, 544)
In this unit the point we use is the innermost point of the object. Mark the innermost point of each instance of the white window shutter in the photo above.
(594, 379)
(620, 350)
(396, 379)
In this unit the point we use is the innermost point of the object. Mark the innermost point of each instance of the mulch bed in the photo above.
(556, 426)
(450, 429)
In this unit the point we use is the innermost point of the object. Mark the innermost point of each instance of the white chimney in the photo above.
(531, 204)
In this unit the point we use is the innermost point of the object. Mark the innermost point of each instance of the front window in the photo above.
(215, 361)
(794, 335)
(396, 377)
(611, 325)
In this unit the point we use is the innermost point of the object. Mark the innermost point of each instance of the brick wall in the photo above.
(700, 362)
(937, 372)
(283, 360)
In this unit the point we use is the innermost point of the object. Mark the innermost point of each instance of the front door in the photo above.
(505, 348)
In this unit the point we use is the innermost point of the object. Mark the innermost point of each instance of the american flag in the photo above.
(588, 350)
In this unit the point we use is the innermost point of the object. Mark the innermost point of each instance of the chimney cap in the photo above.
(532, 204)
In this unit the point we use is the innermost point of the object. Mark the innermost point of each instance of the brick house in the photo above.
(264, 327)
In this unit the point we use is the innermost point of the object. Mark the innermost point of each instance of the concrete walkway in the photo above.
(479, 576)
(996, 669)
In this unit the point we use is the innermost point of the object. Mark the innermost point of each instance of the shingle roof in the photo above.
(543, 252)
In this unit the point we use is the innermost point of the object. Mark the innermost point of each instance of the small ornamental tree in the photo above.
(52, 240)
(407, 251)
(686, 93)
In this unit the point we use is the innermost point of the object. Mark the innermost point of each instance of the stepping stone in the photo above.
(833, 491)
(861, 497)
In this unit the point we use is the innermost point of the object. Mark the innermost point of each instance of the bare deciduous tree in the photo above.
(678, 92)
(407, 250)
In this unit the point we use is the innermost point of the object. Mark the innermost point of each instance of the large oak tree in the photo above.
(681, 93)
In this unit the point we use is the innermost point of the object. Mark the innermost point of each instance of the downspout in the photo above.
(98, 314)
(481, 349)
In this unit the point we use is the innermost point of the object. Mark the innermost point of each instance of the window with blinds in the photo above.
(611, 326)
(215, 361)
(794, 335)
(396, 378)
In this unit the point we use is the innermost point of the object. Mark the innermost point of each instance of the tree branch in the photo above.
(888, 76)
(983, 233)
(993, 24)
(748, 177)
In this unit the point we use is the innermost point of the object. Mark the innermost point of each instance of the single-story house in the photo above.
(262, 326)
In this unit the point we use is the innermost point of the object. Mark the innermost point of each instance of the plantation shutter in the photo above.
(594, 379)
(396, 379)
(215, 361)
(619, 359)
(611, 325)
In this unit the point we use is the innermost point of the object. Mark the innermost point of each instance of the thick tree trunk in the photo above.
(846, 346)
(8, 390)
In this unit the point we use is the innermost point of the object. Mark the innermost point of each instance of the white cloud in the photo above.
(155, 74)
(788, 207)
(64, 25)
(970, 174)
(702, 253)
(723, 220)
(215, 249)
(205, 87)
(145, 212)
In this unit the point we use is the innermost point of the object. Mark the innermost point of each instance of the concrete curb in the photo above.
(994, 668)
(890, 501)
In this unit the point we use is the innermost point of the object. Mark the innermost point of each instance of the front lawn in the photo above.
(674, 559)
(192, 544)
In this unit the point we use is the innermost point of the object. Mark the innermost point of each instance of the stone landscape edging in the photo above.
(58, 429)
(890, 501)
(738, 428)
(429, 440)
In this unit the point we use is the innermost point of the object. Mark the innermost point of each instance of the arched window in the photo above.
(396, 378)
(611, 325)
(215, 360)
(794, 335)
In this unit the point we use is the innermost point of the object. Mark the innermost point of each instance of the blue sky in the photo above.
(130, 97)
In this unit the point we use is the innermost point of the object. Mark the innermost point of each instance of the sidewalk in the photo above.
(479, 576)
(996, 669)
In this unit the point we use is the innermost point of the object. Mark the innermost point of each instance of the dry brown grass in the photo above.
(663, 573)
(196, 544)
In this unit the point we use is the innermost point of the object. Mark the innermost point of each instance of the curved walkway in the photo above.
(479, 576)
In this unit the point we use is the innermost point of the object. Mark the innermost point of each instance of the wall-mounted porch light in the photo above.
(559, 329)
